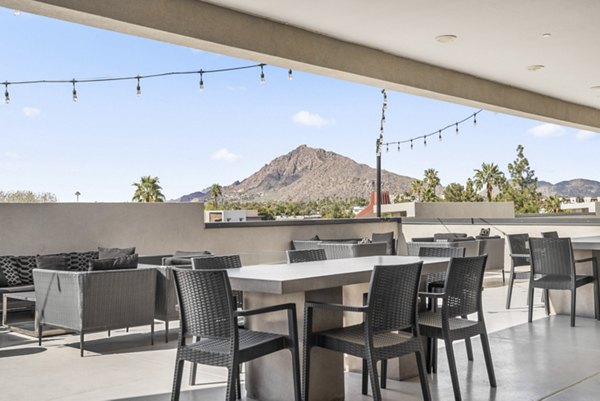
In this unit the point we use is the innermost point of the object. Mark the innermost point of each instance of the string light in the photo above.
(6, 95)
(138, 78)
(74, 91)
(475, 120)
(438, 132)
(385, 102)
(380, 139)
(290, 74)
(387, 148)
(398, 147)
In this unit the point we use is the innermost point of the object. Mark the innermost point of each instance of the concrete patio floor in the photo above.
(545, 360)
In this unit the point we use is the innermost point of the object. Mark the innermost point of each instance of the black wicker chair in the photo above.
(208, 313)
(306, 255)
(553, 267)
(519, 256)
(461, 297)
(389, 330)
(220, 263)
(550, 234)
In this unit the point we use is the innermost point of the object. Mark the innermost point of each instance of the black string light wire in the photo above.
(137, 78)
(379, 141)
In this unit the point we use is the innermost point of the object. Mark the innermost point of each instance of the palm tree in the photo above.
(416, 187)
(148, 190)
(431, 178)
(552, 204)
(454, 192)
(216, 191)
(487, 176)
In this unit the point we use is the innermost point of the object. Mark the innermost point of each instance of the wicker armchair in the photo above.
(553, 267)
(305, 255)
(437, 280)
(88, 302)
(389, 329)
(550, 234)
(208, 313)
(519, 256)
(461, 297)
(165, 307)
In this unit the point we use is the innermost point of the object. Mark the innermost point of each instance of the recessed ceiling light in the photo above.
(546, 35)
(535, 67)
(445, 38)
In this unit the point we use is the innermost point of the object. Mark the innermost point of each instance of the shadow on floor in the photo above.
(121, 342)
(7, 353)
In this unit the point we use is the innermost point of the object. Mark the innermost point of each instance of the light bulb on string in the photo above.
(74, 91)
(425, 141)
(6, 95)
(456, 128)
(290, 74)
(411, 145)
(262, 75)
(475, 119)
(385, 103)
(387, 147)
(201, 81)
(138, 89)
(398, 146)
(440, 135)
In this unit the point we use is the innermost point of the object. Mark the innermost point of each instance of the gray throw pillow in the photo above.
(191, 253)
(111, 253)
(127, 262)
(51, 262)
(101, 264)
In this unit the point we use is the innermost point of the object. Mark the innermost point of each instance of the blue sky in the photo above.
(190, 139)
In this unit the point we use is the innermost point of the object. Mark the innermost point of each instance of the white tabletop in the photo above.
(586, 243)
(308, 276)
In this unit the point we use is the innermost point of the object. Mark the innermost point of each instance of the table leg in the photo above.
(270, 378)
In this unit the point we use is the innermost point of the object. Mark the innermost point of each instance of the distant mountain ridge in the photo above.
(308, 174)
(574, 187)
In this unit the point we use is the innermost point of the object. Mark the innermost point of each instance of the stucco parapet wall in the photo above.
(284, 223)
(517, 221)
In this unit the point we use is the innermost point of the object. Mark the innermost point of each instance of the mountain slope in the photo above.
(575, 187)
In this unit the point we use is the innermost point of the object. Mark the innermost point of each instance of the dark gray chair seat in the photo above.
(351, 340)
(433, 321)
(561, 282)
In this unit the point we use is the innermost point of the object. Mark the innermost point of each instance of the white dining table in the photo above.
(333, 281)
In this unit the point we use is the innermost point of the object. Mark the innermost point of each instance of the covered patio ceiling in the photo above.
(392, 44)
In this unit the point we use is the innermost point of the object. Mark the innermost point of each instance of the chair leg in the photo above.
(468, 344)
(453, 373)
(487, 354)
(511, 280)
(546, 302)
(193, 374)
(383, 373)
(167, 331)
(428, 355)
(296, 373)
(81, 344)
(306, 382)
(573, 302)
(238, 383)
(434, 353)
(372, 365)
(231, 382)
(151, 333)
(596, 300)
(40, 334)
(503, 277)
(423, 377)
(177, 380)
(365, 378)
(108, 333)
(530, 305)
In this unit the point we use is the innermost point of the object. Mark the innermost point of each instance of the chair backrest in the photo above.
(205, 303)
(442, 252)
(552, 256)
(305, 255)
(463, 286)
(517, 244)
(550, 234)
(392, 298)
(217, 262)
(388, 238)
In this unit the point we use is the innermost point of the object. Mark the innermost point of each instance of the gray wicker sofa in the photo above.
(93, 301)
(339, 249)
(16, 273)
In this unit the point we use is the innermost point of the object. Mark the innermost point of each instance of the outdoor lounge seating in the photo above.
(553, 267)
(519, 257)
(461, 297)
(208, 313)
(343, 249)
(88, 302)
(305, 255)
(389, 329)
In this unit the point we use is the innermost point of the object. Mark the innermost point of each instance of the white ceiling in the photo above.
(497, 39)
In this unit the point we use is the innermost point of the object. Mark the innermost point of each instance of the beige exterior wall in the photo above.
(154, 228)
(469, 210)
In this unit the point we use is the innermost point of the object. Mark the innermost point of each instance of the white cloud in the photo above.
(309, 119)
(225, 155)
(31, 111)
(581, 134)
(547, 131)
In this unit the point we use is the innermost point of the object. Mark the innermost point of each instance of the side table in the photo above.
(28, 328)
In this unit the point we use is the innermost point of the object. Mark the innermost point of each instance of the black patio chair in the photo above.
(389, 329)
(553, 268)
(519, 257)
(305, 255)
(208, 313)
(461, 297)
